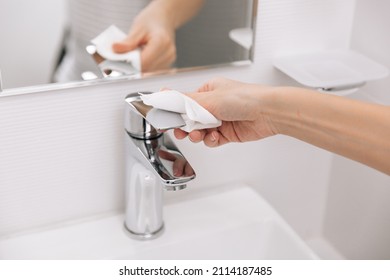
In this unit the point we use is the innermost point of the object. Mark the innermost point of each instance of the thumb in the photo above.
(131, 42)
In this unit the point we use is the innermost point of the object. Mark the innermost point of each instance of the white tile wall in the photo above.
(61, 153)
(357, 216)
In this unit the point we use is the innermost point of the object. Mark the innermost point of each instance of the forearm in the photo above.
(178, 11)
(354, 129)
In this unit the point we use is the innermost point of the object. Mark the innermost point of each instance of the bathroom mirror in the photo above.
(37, 34)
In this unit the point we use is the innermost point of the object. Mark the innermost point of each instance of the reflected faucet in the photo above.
(153, 163)
(108, 68)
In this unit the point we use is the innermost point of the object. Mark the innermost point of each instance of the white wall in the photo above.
(357, 217)
(31, 32)
(61, 152)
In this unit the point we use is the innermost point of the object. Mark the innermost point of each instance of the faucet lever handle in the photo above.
(160, 119)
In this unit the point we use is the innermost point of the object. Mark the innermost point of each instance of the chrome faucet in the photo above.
(153, 163)
(1, 83)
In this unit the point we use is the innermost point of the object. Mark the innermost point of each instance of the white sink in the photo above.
(231, 224)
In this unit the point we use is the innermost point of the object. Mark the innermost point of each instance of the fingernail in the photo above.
(212, 137)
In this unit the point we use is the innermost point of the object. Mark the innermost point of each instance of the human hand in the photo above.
(239, 107)
(154, 33)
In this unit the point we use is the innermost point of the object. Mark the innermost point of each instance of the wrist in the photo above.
(165, 13)
(168, 11)
(291, 109)
(278, 108)
(158, 13)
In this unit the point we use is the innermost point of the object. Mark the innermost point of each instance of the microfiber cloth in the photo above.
(194, 115)
(104, 41)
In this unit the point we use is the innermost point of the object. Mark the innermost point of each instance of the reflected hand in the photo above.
(237, 105)
(155, 35)
(181, 167)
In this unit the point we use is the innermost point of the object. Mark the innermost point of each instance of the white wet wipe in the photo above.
(194, 115)
(104, 41)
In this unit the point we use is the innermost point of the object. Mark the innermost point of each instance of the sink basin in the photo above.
(230, 223)
(265, 240)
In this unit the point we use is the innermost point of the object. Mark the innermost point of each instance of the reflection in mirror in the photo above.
(46, 41)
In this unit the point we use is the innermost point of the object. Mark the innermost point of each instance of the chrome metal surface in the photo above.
(141, 237)
(110, 80)
(109, 68)
(162, 156)
(341, 88)
(153, 163)
(1, 83)
(150, 121)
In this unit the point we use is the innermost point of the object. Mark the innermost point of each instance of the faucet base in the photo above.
(175, 187)
(144, 236)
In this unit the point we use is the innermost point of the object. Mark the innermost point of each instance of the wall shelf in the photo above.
(332, 70)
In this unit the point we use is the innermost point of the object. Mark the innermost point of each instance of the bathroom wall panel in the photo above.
(357, 216)
(25, 31)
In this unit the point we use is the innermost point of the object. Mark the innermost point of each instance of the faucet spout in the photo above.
(153, 163)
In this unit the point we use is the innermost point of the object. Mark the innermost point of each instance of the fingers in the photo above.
(188, 170)
(166, 155)
(178, 167)
(125, 46)
(180, 134)
(181, 167)
(195, 136)
(133, 40)
(152, 56)
(211, 138)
